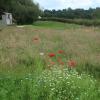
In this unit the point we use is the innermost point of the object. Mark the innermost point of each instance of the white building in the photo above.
(7, 18)
(39, 17)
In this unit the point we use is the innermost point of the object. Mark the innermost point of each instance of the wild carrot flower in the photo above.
(41, 54)
(71, 63)
(51, 55)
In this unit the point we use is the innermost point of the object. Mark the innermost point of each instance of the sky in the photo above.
(62, 4)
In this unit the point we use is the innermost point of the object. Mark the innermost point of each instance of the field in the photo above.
(50, 61)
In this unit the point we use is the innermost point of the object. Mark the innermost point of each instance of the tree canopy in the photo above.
(24, 11)
(73, 14)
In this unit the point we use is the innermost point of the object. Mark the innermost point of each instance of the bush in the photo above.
(74, 21)
(23, 11)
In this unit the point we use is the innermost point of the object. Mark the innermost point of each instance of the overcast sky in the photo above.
(61, 4)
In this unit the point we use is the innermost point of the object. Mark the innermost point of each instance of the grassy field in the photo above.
(28, 72)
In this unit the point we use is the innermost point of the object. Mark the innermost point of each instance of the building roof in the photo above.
(3, 13)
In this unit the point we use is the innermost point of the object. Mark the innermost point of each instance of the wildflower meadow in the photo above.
(50, 61)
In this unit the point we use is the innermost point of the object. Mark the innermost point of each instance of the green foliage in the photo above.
(96, 13)
(65, 84)
(55, 25)
(24, 11)
(85, 22)
(73, 13)
(54, 84)
(90, 68)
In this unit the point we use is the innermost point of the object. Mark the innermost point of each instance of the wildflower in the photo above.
(49, 66)
(62, 63)
(41, 54)
(59, 59)
(52, 63)
(71, 63)
(51, 55)
(60, 51)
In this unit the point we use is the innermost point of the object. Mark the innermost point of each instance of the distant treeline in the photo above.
(73, 14)
(85, 22)
(90, 17)
(24, 11)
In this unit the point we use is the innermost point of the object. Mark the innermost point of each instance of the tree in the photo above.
(24, 11)
(96, 13)
(73, 13)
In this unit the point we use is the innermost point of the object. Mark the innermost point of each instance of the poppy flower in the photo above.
(62, 63)
(72, 63)
(60, 51)
(59, 59)
(52, 63)
(51, 55)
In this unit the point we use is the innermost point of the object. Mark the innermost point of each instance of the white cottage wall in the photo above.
(4, 19)
(7, 19)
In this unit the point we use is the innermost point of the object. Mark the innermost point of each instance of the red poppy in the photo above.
(59, 59)
(71, 63)
(60, 51)
(62, 63)
(51, 55)
(52, 63)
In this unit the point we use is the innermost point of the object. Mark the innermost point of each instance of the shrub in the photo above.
(74, 21)
(23, 11)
